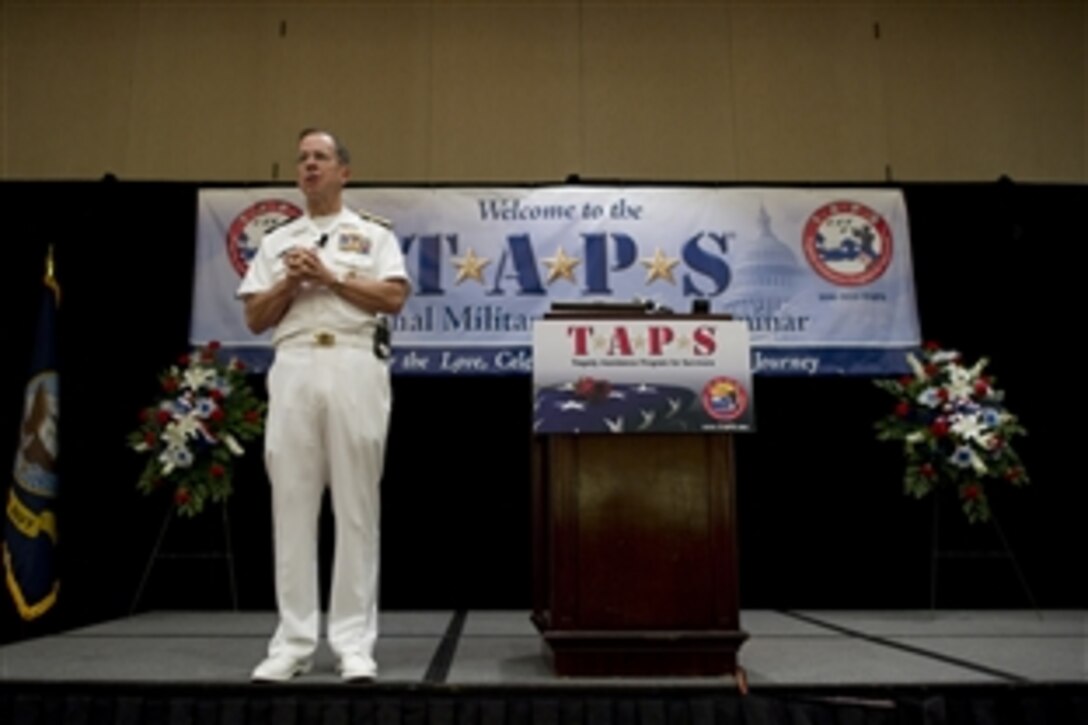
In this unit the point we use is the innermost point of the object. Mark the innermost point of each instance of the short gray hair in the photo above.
(342, 153)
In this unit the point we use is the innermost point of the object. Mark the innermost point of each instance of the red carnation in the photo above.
(149, 438)
(183, 360)
(931, 345)
(217, 395)
(238, 365)
(162, 417)
(906, 380)
(972, 491)
(902, 409)
(981, 387)
(927, 470)
(216, 470)
(217, 415)
(931, 369)
(170, 384)
(252, 416)
(213, 345)
(592, 389)
(942, 394)
(939, 428)
(182, 496)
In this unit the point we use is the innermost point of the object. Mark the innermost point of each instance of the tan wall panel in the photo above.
(198, 75)
(656, 91)
(363, 73)
(3, 89)
(505, 90)
(974, 92)
(67, 89)
(807, 91)
(536, 89)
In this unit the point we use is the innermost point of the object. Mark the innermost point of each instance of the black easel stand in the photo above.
(1005, 552)
(157, 554)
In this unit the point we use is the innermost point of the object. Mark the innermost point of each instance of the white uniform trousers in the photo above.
(328, 416)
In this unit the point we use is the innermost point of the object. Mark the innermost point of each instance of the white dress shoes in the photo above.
(357, 668)
(281, 668)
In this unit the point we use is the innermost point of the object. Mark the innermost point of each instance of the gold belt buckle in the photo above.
(324, 339)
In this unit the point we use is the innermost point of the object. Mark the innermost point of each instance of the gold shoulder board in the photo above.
(374, 218)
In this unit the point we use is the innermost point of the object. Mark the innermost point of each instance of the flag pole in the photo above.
(50, 278)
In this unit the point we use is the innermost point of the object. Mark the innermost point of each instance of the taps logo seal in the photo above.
(249, 227)
(847, 243)
(724, 398)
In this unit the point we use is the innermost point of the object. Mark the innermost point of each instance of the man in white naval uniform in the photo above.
(321, 281)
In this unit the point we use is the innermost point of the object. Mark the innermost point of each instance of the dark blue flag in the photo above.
(30, 531)
(597, 405)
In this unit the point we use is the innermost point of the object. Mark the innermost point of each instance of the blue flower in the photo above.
(205, 407)
(962, 456)
(930, 397)
(990, 417)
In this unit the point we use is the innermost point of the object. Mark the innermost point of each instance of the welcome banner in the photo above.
(822, 277)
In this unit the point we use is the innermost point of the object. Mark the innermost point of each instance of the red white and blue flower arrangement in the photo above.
(954, 428)
(193, 434)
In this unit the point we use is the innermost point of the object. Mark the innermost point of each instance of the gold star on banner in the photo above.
(561, 266)
(470, 267)
(659, 266)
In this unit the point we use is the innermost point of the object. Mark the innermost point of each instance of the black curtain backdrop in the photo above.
(823, 521)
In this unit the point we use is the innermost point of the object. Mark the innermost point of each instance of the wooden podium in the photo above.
(634, 553)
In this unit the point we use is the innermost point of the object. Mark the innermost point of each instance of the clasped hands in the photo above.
(304, 265)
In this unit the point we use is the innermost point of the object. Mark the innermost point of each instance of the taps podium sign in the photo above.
(634, 553)
(651, 374)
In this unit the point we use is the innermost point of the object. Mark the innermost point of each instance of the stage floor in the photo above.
(496, 648)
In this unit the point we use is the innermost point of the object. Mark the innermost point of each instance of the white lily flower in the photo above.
(187, 426)
(175, 434)
(196, 378)
(974, 428)
(232, 444)
(977, 368)
(961, 382)
(916, 367)
(944, 356)
(967, 426)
